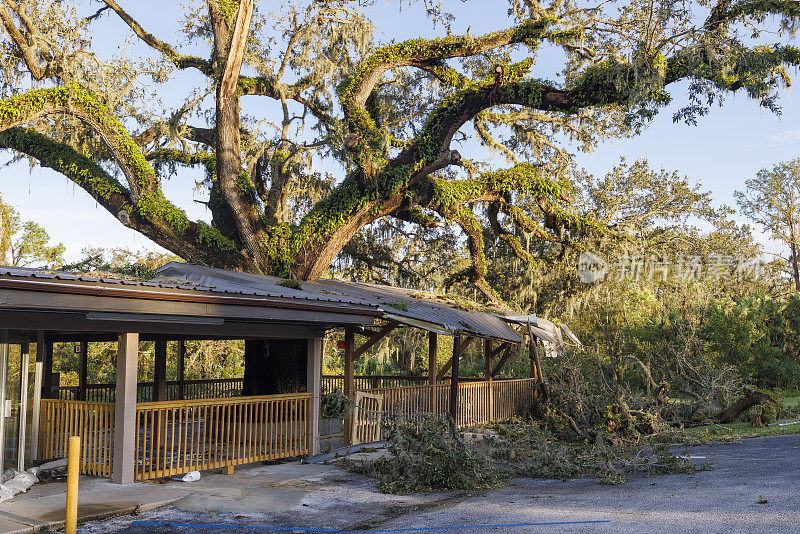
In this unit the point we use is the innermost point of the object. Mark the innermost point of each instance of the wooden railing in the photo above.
(364, 382)
(333, 382)
(512, 397)
(478, 402)
(178, 437)
(175, 437)
(92, 421)
(192, 389)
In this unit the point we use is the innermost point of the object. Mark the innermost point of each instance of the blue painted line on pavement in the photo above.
(385, 531)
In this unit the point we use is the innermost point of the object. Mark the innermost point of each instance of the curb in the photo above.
(32, 526)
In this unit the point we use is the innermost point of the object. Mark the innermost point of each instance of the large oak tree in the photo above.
(388, 113)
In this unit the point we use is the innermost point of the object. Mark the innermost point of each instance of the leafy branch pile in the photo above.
(432, 455)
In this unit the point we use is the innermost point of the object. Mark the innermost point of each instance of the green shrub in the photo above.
(335, 405)
(769, 414)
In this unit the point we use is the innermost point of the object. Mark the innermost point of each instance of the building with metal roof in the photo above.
(280, 321)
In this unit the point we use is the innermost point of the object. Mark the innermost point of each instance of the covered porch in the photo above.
(136, 431)
(164, 426)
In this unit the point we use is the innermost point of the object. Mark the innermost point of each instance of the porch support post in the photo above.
(181, 367)
(3, 380)
(83, 358)
(160, 371)
(47, 362)
(454, 378)
(461, 348)
(314, 386)
(433, 342)
(125, 410)
(536, 366)
(349, 379)
(25, 363)
(38, 372)
(487, 356)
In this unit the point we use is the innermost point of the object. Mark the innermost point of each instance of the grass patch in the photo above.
(736, 432)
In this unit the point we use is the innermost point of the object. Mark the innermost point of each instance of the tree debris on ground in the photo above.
(432, 455)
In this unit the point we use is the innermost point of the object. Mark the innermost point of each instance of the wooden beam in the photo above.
(433, 349)
(83, 364)
(349, 379)
(487, 356)
(497, 350)
(3, 385)
(533, 356)
(47, 379)
(38, 376)
(374, 338)
(25, 353)
(160, 371)
(458, 348)
(181, 368)
(540, 375)
(503, 359)
(314, 386)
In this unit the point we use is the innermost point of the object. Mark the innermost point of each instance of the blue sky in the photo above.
(725, 148)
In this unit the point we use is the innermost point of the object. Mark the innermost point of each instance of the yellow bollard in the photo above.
(73, 467)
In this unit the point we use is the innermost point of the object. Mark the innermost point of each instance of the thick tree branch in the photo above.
(237, 202)
(25, 45)
(193, 241)
(77, 102)
(476, 272)
(233, 63)
(180, 61)
(424, 54)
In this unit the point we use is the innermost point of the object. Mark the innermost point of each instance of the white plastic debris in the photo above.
(192, 476)
(788, 423)
(9, 473)
(34, 471)
(5, 494)
(20, 482)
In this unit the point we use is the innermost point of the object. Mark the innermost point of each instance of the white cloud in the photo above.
(786, 136)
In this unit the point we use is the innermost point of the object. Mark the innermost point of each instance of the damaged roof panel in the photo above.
(415, 307)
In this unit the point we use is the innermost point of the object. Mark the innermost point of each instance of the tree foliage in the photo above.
(26, 243)
(386, 112)
(772, 200)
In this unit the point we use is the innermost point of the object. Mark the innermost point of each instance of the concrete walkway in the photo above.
(42, 508)
(752, 488)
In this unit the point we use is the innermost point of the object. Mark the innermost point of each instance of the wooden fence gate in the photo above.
(367, 417)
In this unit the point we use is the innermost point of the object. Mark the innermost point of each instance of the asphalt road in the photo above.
(754, 487)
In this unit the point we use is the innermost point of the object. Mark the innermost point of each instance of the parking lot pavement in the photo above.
(753, 488)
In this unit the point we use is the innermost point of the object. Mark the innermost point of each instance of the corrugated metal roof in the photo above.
(196, 284)
(48, 274)
(393, 303)
(396, 303)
